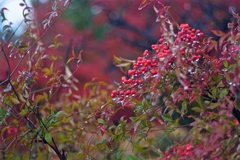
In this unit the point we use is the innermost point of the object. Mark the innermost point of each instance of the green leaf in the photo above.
(133, 119)
(218, 78)
(101, 121)
(214, 92)
(225, 63)
(197, 109)
(132, 157)
(14, 100)
(15, 122)
(38, 98)
(23, 112)
(23, 45)
(214, 105)
(60, 113)
(52, 113)
(48, 138)
(152, 118)
(46, 71)
(167, 117)
(88, 85)
(123, 65)
(223, 93)
(199, 101)
(116, 59)
(184, 107)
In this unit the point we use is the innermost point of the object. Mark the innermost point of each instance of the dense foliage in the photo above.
(178, 100)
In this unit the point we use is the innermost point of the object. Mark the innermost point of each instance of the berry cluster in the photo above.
(140, 68)
(144, 69)
(191, 42)
(184, 152)
(151, 64)
(13, 130)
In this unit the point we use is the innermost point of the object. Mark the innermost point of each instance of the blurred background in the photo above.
(104, 28)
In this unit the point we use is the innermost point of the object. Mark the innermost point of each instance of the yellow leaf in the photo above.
(15, 100)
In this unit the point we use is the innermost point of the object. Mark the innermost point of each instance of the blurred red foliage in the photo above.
(126, 32)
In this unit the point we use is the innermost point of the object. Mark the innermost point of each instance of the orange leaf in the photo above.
(70, 59)
(73, 53)
(80, 55)
(73, 56)
(144, 3)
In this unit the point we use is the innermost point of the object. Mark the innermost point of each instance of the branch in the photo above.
(44, 33)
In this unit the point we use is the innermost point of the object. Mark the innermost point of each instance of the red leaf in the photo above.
(103, 129)
(218, 33)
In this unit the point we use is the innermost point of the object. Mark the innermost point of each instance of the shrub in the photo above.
(179, 100)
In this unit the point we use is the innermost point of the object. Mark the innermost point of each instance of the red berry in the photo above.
(129, 81)
(113, 95)
(198, 31)
(127, 92)
(133, 91)
(139, 82)
(124, 79)
(121, 92)
(131, 72)
(198, 51)
(145, 53)
(154, 72)
(161, 40)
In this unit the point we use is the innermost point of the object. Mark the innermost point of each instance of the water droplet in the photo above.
(65, 85)
(230, 83)
(185, 87)
(45, 76)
